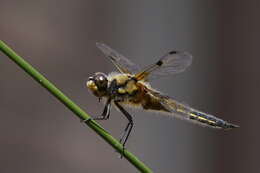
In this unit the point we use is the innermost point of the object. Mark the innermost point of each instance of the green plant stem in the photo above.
(72, 106)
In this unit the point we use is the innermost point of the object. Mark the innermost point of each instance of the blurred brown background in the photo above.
(38, 134)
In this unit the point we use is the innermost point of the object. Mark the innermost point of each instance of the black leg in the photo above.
(106, 111)
(105, 114)
(129, 126)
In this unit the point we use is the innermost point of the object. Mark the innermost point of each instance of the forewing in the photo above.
(171, 63)
(123, 64)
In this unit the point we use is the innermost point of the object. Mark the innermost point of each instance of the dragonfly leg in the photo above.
(106, 112)
(129, 126)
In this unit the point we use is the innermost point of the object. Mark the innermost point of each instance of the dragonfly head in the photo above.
(98, 84)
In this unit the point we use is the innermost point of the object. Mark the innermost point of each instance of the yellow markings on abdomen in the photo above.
(202, 118)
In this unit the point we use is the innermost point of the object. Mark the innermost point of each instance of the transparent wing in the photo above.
(171, 63)
(185, 112)
(123, 64)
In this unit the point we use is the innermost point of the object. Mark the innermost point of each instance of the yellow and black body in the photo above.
(130, 87)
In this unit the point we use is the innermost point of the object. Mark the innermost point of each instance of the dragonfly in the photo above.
(130, 87)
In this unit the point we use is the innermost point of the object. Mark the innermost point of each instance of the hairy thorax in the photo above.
(124, 89)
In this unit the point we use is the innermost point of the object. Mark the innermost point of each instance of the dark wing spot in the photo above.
(159, 63)
(173, 52)
(111, 58)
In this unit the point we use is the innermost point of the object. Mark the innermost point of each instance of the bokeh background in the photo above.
(38, 134)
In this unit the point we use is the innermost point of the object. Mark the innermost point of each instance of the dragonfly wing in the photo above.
(123, 64)
(185, 112)
(172, 63)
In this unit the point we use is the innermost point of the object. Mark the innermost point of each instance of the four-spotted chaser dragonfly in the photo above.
(130, 87)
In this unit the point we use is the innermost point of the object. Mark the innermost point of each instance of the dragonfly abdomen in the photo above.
(210, 120)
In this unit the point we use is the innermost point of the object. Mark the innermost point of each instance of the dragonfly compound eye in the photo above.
(101, 81)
